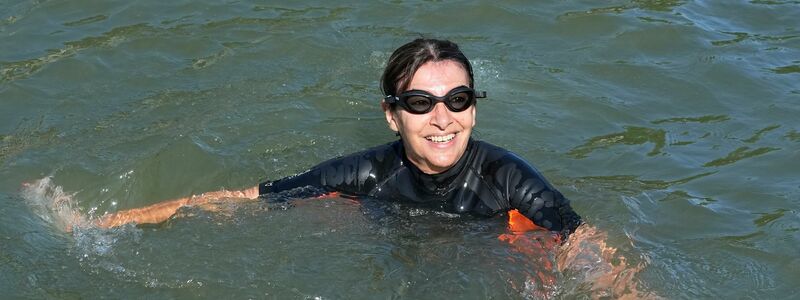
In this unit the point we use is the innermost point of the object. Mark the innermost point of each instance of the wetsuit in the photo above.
(486, 180)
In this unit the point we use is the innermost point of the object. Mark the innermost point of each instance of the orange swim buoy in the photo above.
(537, 247)
(519, 223)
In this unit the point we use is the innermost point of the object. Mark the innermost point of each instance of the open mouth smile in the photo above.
(441, 138)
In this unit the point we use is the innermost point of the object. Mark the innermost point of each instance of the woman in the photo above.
(430, 102)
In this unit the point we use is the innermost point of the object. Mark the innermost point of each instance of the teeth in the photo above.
(441, 138)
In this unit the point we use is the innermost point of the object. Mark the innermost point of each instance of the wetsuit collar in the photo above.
(441, 183)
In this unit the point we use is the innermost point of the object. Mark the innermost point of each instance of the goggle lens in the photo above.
(461, 101)
(417, 103)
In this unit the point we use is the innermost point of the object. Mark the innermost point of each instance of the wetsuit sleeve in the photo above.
(347, 175)
(308, 178)
(531, 194)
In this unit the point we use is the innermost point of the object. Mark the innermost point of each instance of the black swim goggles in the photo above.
(421, 102)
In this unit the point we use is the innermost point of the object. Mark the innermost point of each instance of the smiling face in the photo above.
(436, 140)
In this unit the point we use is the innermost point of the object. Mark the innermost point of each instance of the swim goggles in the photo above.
(421, 102)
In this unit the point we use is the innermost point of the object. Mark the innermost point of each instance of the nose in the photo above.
(441, 117)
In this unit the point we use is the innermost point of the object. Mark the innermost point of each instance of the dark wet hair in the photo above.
(405, 61)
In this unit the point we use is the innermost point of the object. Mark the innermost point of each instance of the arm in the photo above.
(537, 199)
(354, 174)
(162, 211)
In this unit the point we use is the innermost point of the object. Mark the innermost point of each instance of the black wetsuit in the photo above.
(486, 180)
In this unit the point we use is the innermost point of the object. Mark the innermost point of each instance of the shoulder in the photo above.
(509, 173)
(387, 152)
(361, 168)
(494, 158)
(526, 189)
(354, 173)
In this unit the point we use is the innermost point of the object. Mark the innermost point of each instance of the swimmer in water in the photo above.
(430, 102)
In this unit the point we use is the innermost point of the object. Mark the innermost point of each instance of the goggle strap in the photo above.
(390, 99)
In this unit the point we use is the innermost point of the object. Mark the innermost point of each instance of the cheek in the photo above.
(467, 119)
(410, 123)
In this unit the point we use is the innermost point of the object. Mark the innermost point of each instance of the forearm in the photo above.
(155, 213)
(160, 212)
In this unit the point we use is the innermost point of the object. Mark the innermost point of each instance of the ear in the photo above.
(474, 113)
(390, 117)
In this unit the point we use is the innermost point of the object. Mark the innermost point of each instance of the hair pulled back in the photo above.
(405, 61)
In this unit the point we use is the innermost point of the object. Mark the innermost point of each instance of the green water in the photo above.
(672, 126)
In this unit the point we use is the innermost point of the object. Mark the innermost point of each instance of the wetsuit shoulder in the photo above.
(354, 174)
(524, 188)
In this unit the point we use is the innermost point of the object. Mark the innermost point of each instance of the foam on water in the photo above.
(93, 247)
(53, 205)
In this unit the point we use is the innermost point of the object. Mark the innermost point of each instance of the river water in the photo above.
(671, 125)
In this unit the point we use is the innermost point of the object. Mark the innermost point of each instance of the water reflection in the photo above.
(659, 5)
(786, 69)
(767, 218)
(87, 20)
(27, 134)
(679, 195)
(739, 154)
(11, 71)
(635, 185)
(631, 136)
(700, 119)
(651, 5)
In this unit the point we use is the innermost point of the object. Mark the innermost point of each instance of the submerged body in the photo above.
(487, 180)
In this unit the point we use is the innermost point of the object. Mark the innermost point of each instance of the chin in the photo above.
(444, 163)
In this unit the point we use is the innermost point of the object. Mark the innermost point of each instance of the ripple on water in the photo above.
(739, 154)
(774, 2)
(679, 195)
(287, 18)
(26, 135)
(87, 20)
(23, 69)
(700, 119)
(786, 69)
(631, 136)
